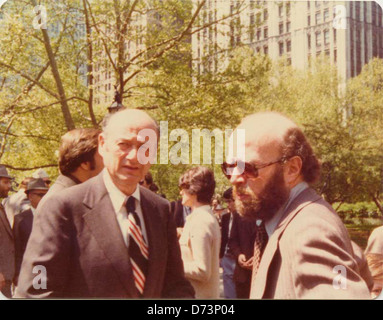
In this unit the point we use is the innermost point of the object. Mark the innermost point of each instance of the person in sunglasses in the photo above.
(201, 237)
(302, 249)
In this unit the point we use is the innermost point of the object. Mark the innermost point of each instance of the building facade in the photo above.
(350, 33)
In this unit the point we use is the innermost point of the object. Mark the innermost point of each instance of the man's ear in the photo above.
(101, 144)
(85, 166)
(293, 169)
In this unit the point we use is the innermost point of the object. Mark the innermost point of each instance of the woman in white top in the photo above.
(201, 237)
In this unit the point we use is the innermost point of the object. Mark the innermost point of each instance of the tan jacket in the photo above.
(200, 243)
(304, 253)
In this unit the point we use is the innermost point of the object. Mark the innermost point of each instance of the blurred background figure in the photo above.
(7, 247)
(241, 243)
(22, 229)
(41, 174)
(218, 212)
(148, 183)
(226, 255)
(201, 238)
(179, 212)
(17, 202)
(374, 256)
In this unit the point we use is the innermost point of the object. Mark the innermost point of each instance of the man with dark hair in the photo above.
(35, 191)
(227, 259)
(79, 159)
(7, 247)
(108, 237)
(301, 244)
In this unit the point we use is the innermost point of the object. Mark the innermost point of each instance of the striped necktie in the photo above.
(138, 249)
(261, 239)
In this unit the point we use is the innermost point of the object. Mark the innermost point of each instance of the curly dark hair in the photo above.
(199, 181)
(295, 144)
(77, 146)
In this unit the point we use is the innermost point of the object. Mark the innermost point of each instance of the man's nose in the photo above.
(237, 176)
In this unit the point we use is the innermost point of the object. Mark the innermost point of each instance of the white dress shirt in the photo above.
(119, 199)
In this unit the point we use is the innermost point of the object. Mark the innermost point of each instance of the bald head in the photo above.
(130, 118)
(271, 136)
(265, 128)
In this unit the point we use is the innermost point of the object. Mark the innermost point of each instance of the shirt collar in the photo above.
(116, 195)
(272, 224)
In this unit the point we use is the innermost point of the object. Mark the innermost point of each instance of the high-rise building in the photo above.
(350, 33)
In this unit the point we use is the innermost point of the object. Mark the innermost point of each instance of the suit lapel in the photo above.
(5, 221)
(154, 230)
(302, 200)
(103, 224)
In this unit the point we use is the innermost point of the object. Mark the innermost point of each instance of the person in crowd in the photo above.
(7, 246)
(226, 255)
(79, 159)
(179, 212)
(201, 238)
(148, 183)
(218, 212)
(36, 190)
(300, 241)
(374, 256)
(42, 174)
(241, 242)
(17, 202)
(108, 236)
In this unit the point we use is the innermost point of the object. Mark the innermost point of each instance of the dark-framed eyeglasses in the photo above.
(250, 170)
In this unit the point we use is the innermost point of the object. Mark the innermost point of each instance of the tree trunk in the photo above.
(89, 65)
(60, 88)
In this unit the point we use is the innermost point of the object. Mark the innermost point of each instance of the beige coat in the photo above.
(300, 257)
(200, 244)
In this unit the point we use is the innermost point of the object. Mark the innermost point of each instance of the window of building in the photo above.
(309, 41)
(309, 21)
(334, 36)
(266, 50)
(318, 39)
(265, 14)
(335, 55)
(265, 33)
(326, 15)
(288, 26)
(280, 28)
(317, 18)
(326, 34)
(280, 48)
(280, 10)
(288, 46)
(258, 34)
(288, 8)
(308, 4)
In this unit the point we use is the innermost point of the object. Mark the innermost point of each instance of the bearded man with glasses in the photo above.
(300, 242)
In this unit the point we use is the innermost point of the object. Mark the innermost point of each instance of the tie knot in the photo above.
(130, 205)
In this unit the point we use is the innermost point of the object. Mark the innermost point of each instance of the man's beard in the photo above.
(267, 203)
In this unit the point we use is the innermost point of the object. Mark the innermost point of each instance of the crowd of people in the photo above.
(101, 231)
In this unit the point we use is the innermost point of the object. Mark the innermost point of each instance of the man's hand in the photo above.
(245, 263)
(2, 281)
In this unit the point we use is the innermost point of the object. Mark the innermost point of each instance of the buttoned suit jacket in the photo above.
(77, 238)
(307, 255)
(7, 247)
(22, 229)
